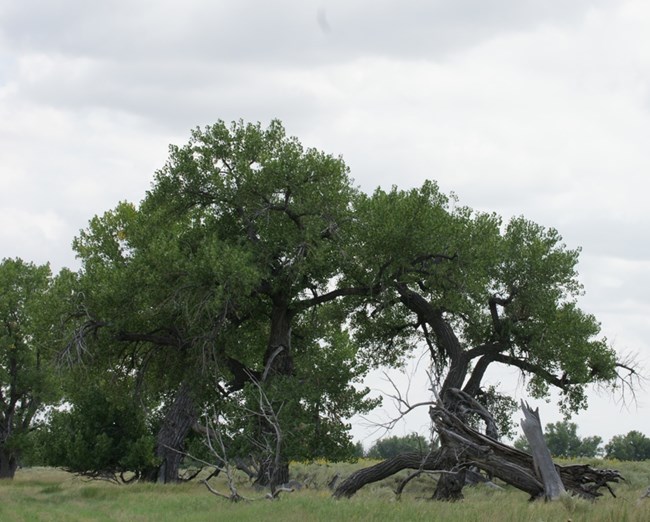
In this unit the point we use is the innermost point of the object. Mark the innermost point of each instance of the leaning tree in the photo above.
(220, 277)
(478, 292)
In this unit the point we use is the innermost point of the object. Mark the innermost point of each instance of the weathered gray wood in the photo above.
(544, 466)
(387, 468)
(464, 447)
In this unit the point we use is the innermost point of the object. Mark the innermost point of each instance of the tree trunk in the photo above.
(278, 362)
(8, 464)
(272, 474)
(278, 359)
(450, 486)
(170, 441)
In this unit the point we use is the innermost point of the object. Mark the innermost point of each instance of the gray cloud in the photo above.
(273, 32)
(524, 107)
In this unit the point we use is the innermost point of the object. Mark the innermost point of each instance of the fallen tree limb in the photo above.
(387, 468)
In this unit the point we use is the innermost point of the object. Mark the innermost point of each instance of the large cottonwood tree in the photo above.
(221, 275)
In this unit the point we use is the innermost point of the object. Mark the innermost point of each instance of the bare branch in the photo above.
(401, 400)
(629, 378)
(232, 498)
(76, 350)
(267, 368)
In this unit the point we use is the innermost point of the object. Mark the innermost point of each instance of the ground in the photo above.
(43, 494)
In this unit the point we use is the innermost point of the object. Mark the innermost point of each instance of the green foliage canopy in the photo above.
(477, 291)
(224, 272)
(103, 435)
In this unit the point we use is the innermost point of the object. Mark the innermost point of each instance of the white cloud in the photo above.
(27, 233)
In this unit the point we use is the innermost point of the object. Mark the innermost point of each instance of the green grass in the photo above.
(42, 494)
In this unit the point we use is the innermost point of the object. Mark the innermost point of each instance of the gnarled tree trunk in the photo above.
(473, 449)
(450, 489)
(170, 441)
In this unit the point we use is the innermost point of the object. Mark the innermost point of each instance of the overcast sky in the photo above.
(533, 107)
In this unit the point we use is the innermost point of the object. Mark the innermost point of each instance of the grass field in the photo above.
(42, 494)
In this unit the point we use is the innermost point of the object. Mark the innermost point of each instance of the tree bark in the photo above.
(8, 464)
(170, 441)
(278, 359)
(387, 468)
(451, 488)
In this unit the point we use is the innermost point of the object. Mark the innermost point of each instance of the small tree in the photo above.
(633, 446)
(358, 452)
(25, 379)
(103, 435)
(563, 441)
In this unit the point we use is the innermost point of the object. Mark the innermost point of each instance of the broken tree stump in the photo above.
(542, 460)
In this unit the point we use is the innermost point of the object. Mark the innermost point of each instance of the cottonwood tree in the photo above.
(479, 293)
(221, 275)
(27, 381)
(632, 446)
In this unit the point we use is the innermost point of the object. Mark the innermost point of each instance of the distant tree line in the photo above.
(564, 442)
(389, 447)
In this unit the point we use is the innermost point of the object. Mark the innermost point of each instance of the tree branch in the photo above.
(560, 382)
(334, 294)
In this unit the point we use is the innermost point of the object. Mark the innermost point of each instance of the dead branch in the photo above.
(233, 497)
(275, 494)
(629, 378)
(401, 401)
